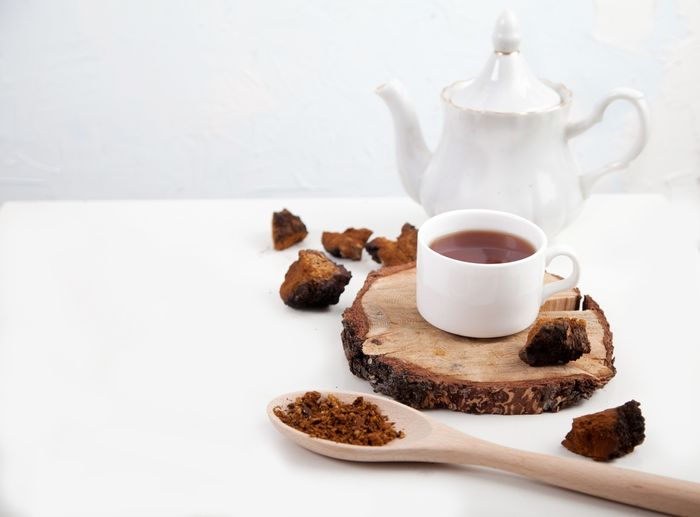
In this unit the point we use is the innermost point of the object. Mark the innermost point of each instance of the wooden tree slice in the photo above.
(387, 342)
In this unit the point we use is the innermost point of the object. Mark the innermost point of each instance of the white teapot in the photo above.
(505, 141)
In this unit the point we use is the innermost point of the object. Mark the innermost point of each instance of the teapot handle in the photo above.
(573, 129)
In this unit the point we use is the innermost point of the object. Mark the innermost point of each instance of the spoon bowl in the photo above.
(427, 440)
(404, 418)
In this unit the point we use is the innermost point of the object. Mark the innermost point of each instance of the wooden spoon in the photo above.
(428, 440)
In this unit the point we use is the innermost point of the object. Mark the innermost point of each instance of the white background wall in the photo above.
(144, 98)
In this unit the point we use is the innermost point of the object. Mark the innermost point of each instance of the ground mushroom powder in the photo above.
(358, 423)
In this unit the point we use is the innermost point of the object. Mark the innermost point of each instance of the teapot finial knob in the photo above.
(506, 33)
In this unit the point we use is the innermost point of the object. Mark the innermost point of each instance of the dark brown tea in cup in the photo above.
(483, 247)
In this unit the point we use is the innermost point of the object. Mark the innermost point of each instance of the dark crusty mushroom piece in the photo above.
(393, 253)
(348, 244)
(608, 434)
(313, 281)
(552, 341)
(287, 229)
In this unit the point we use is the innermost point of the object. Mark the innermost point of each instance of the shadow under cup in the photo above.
(479, 300)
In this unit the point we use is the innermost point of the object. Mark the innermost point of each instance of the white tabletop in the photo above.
(141, 341)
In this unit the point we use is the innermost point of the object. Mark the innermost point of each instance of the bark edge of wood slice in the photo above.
(388, 343)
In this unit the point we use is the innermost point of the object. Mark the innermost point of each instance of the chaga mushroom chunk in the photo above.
(287, 229)
(348, 244)
(313, 281)
(394, 253)
(608, 434)
(553, 341)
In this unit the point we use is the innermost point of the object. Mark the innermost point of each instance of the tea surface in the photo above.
(483, 247)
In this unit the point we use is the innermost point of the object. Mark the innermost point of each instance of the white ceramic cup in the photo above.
(485, 300)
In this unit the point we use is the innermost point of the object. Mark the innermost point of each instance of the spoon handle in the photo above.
(669, 495)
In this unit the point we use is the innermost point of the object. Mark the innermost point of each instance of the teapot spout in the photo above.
(412, 153)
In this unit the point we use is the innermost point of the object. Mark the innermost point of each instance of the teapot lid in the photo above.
(506, 84)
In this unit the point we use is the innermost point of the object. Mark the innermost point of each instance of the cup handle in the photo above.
(565, 283)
